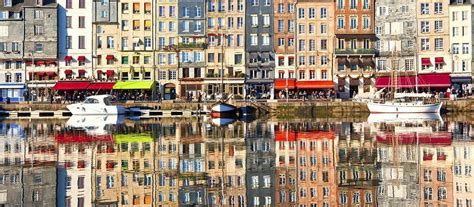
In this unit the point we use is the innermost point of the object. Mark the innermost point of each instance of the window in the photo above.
(312, 76)
(312, 13)
(428, 194)
(323, 13)
(366, 22)
(281, 8)
(340, 23)
(409, 64)
(254, 2)
(7, 3)
(301, 62)
(110, 42)
(438, 8)
(382, 11)
(464, 65)
(253, 39)
(291, 8)
(80, 182)
(69, 42)
(38, 47)
(39, 30)
(425, 44)
(281, 26)
(464, 15)
(425, 26)
(324, 74)
(38, 14)
(301, 76)
(455, 31)
(353, 4)
(465, 48)
(254, 20)
(438, 26)
(425, 8)
(365, 4)
(301, 13)
(438, 43)
(266, 20)
(265, 39)
(301, 29)
(81, 22)
(68, 4)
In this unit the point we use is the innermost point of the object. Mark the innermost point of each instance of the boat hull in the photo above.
(403, 108)
(87, 109)
(223, 110)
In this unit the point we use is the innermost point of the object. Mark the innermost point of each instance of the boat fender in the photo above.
(105, 110)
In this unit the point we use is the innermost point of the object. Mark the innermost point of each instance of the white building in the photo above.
(460, 16)
(75, 39)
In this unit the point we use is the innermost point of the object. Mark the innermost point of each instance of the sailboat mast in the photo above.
(222, 62)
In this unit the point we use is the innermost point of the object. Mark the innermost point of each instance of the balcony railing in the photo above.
(192, 45)
(355, 51)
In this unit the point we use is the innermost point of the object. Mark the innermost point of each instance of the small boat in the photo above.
(404, 117)
(221, 110)
(247, 110)
(94, 124)
(223, 121)
(96, 105)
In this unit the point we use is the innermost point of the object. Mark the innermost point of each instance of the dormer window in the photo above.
(7, 3)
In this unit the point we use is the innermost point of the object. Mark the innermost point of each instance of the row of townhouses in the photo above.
(180, 48)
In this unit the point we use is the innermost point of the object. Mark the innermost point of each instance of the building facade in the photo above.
(461, 40)
(354, 47)
(434, 59)
(395, 28)
(74, 39)
(259, 49)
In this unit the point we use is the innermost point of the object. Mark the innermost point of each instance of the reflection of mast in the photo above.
(395, 156)
(222, 132)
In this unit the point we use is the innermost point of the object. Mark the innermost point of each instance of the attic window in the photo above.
(7, 3)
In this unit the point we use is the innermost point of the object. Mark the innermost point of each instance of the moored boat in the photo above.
(222, 109)
(96, 105)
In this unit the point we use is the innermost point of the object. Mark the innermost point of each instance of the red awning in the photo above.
(81, 71)
(81, 58)
(314, 84)
(281, 84)
(437, 80)
(51, 74)
(403, 82)
(425, 61)
(68, 58)
(68, 72)
(71, 85)
(439, 60)
(40, 73)
(99, 71)
(110, 72)
(109, 57)
(101, 86)
(437, 138)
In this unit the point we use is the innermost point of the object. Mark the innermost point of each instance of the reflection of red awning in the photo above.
(68, 58)
(425, 61)
(30, 73)
(436, 138)
(285, 136)
(439, 60)
(51, 74)
(40, 62)
(110, 72)
(314, 84)
(281, 83)
(40, 73)
(81, 58)
(109, 57)
(436, 80)
(71, 85)
(315, 135)
(101, 86)
(81, 71)
(81, 137)
(68, 72)
(99, 71)
(281, 71)
(403, 82)
(51, 62)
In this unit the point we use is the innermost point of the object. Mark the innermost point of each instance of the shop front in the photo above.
(232, 86)
(169, 91)
(434, 82)
(12, 91)
(462, 85)
(282, 84)
(315, 89)
(134, 90)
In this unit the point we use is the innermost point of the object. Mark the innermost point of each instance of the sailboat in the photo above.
(222, 109)
(403, 102)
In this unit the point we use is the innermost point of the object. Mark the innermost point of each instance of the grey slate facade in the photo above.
(395, 28)
(105, 12)
(260, 58)
(192, 18)
(45, 44)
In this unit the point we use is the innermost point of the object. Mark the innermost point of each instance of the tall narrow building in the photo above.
(74, 39)
(12, 67)
(284, 46)
(395, 28)
(461, 40)
(192, 45)
(314, 35)
(41, 47)
(434, 57)
(166, 41)
(354, 42)
(259, 50)
(225, 47)
(106, 31)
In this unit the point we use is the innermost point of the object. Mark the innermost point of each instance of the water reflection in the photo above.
(114, 161)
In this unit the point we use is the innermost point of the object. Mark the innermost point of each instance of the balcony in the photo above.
(192, 45)
(362, 51)
(427, 156)
(441, 156)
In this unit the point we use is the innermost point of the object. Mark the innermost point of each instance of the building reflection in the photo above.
(171, 162)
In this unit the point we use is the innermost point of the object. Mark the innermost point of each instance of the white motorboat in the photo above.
(222, 109)
(96, 105)
(403, 117)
